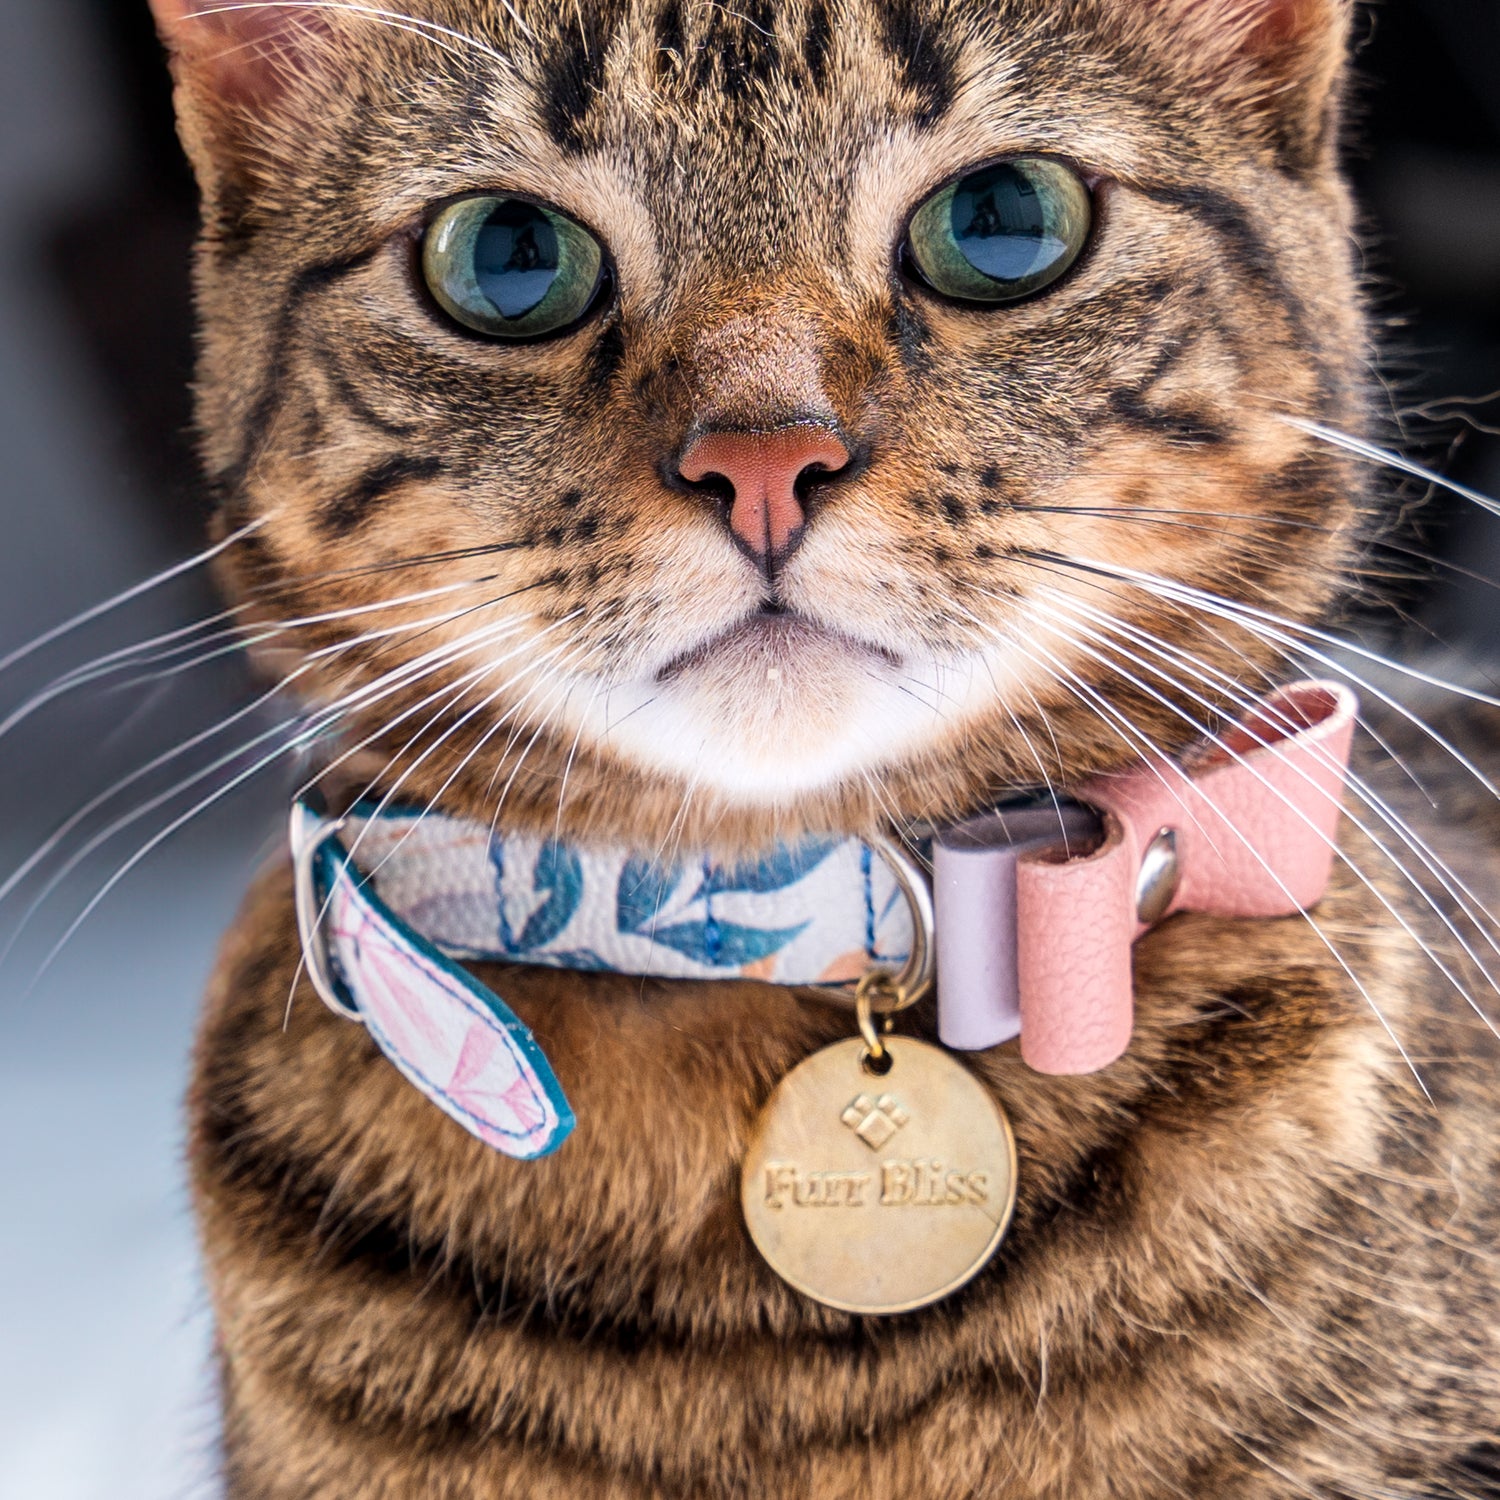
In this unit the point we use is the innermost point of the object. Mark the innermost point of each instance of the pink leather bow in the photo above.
(1034, 941)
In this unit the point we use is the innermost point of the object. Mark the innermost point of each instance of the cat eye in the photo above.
(1001, 233)
(510, 268)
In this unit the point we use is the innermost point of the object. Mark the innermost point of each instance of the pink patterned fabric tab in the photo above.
(448, 1035)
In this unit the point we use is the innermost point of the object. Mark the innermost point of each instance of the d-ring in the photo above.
(913, 980)
(310, 832)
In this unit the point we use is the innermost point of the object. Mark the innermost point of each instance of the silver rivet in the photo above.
(1156, 885)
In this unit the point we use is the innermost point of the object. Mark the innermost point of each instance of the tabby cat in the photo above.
(1005, 521)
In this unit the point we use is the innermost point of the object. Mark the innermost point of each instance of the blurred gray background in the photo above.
(105, 1387)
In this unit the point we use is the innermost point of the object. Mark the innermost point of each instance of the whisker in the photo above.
(1288, 646)
(1153, 751)
(1163, 516)
(545, 659)
(450, 694)
(1384, 458)
(1159, 647)
(1291, 657)
(1147, 515)
(313, 660)
(439, 36)
(882, 796)
(541, 661)
(154, 843)
(448, 691)
(308, 729)
(1241, 613)
(102, 799)
(676, 830)
(230, 642)
(303, 583)
(353, 849)
(135, 591)
(530, 745)
(562, 790)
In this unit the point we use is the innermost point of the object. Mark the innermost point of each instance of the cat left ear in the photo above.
(240, 53)
(1278, 61)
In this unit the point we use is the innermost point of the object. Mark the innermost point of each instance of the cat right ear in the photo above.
(1277, 63)
(238, 65)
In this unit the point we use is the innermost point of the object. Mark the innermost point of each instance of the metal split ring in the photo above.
(865, 1015)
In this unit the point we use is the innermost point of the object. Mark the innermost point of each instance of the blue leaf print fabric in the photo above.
(559, 874)
(642, 892)
(819, 911)
(724, 945)
(646, 889)
(773, 873)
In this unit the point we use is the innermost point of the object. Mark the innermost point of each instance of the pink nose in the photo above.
(762, 469)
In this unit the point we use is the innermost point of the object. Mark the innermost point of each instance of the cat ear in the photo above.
(240, 53)
(1278, 61)
(237, 64)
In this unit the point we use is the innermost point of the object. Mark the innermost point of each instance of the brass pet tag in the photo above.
(880, 1175)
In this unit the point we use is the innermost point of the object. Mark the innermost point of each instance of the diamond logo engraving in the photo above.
(875, 1121)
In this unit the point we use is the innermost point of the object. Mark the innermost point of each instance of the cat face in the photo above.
(794, 414)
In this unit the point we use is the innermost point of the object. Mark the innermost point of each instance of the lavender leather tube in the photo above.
(974, 893)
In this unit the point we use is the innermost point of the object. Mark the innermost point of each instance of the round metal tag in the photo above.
(879, 1194)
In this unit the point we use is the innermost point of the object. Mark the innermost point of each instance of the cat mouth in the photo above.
(773, 639)
(776, 704)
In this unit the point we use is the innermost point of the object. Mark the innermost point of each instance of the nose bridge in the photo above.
(759, 367)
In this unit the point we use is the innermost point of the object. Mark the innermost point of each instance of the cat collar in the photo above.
(1029, 917)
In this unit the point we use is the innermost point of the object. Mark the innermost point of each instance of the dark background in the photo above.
(103, 1341)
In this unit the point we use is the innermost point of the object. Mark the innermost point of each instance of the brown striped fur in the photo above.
(1250, 1259)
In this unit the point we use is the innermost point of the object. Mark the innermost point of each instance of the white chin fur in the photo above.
(763, 721)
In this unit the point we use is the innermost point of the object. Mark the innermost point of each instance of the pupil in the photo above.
(1000, 225)
(516, 258)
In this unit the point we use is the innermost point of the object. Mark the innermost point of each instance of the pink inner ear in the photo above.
(248, 51)
(1281, 21)
(1257, 25)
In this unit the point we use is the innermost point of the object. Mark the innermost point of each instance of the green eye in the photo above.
(510, 268)
(1003, 232)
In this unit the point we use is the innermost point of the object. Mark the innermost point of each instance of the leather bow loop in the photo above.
(1244, 827)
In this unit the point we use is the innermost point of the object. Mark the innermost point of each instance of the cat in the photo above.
(999, 524)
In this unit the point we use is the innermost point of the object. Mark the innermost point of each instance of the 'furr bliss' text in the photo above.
(902, 1184)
